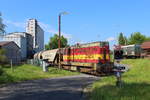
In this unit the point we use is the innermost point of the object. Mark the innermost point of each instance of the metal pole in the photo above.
(59, 41)
(125, 42)
(11, 65)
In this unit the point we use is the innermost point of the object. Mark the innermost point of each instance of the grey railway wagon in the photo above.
(131, 50)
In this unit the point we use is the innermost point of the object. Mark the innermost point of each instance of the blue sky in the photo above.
(87, 21)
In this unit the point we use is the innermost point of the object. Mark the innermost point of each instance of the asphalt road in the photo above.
(64, 88)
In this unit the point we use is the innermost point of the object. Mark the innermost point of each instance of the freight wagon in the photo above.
(89, 58)
(131, 51)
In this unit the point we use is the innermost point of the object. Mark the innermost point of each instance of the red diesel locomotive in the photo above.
(87, 53)
(90, 58)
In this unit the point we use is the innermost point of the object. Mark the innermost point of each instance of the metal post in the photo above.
(125, 41)
(11, 65)
(118, 75)
(59, 41)
(44, 66)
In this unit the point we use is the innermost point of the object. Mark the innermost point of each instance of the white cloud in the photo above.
(49, 29)
(16, 24)
(111, 39)
(46, 27)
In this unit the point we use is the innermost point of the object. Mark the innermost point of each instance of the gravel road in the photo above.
(63, 88)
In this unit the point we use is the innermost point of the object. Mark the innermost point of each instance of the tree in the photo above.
(1, 70)
(3, 58)
(2, 26)
(137, 38)
(53, 43)
(147, 38)
(122, 40)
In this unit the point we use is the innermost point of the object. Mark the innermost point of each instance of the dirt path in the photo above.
(64, 88)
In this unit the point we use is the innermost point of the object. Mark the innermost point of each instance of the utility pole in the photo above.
(59, 35)
(59, 41)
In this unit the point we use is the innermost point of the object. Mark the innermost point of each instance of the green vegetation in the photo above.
(29, 72)
(1, 71)
(2, 26)
(135, 38)
(136, 83)
(122, 39)
(53, 42)
(3, 58)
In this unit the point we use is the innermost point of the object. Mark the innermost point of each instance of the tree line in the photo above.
(53, 42)
(134, 38)
(2, 51)
(2, 26)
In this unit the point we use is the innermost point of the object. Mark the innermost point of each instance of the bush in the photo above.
(1, 70)
(3, 58)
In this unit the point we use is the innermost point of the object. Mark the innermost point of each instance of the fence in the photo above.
(36, 62)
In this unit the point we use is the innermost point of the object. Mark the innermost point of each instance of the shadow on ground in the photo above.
(68, 88)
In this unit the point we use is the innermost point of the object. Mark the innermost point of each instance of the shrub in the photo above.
(1, 70)
(3, 58)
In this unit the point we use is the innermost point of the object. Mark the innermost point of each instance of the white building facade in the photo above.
(37, 33)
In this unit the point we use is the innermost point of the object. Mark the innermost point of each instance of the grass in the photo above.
(30, 72)
(136, 83)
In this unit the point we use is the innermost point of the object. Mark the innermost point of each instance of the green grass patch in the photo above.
(30, 72)
(136, 83)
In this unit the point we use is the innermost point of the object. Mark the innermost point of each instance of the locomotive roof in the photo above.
(90, 44)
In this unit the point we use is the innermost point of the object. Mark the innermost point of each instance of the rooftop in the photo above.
(2, 43)
(146, 45)
(17, 34)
